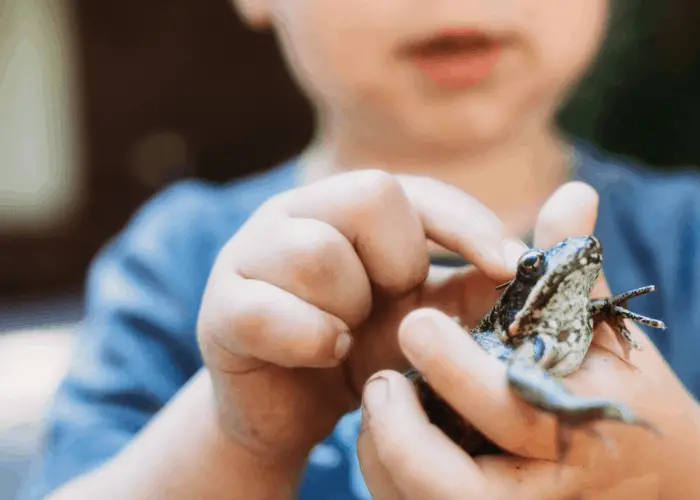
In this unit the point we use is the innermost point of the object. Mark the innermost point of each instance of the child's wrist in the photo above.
(262, 463)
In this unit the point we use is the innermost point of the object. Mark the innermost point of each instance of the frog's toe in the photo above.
(614, 311)
(615, 307)
(622, 312)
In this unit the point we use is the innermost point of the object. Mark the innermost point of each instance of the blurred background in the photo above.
(102, 104)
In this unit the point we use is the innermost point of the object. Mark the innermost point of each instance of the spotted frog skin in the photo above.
(542, 327)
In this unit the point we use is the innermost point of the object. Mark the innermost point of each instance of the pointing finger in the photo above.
(385, 216)
(465, 292)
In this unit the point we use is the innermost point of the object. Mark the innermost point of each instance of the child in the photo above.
(435, 132)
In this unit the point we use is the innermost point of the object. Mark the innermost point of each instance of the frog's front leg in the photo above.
(614, 309)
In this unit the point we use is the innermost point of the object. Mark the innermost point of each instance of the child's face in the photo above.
(369, 62)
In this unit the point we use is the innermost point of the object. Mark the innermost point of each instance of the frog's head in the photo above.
(560, 280)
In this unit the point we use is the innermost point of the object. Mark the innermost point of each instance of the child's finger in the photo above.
(420, 460)
(461, 224)
(474, 383)
(376, 477)
(528, 479)
(571, 211)
(532, 479)
(254, 319)
(371, 211)
(400, 452)
(307, 258)
(466, 293)
(387, 218)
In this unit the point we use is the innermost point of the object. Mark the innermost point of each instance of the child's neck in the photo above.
(513, 179)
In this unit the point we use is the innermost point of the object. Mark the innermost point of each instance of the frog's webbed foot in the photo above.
(614, 309)
(542, 391)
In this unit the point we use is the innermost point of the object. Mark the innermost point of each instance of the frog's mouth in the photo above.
(563, 289)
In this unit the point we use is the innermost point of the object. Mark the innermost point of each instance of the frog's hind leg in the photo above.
(614, 309)
(546, 393)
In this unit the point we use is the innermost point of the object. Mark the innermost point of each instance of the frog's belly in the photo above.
(570, 353)
(566, 335)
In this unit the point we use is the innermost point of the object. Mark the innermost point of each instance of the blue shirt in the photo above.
(137, 344)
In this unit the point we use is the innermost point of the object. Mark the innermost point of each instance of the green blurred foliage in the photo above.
(642, 97)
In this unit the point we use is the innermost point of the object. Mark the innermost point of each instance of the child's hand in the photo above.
(403, 456)
(322, 268)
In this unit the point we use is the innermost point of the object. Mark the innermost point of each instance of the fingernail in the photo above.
(375, 393)
(512, 251)
(343, 344)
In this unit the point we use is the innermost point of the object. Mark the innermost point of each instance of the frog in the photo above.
(541, 327)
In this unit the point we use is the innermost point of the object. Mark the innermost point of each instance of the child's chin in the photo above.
(456, 128)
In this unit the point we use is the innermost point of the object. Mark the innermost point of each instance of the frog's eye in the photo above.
(531, 266)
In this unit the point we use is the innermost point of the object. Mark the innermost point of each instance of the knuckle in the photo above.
(248, 235)
(226, 253)
(275, 204)
(247, 321)
(209, 316)
(314, 245)
(378, 186)
(235, 316)
(222, 328)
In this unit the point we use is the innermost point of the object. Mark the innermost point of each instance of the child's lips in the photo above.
(457, 58)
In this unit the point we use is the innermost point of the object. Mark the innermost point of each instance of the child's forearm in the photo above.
(183, 454)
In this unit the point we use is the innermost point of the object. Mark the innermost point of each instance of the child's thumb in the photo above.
(571, 211)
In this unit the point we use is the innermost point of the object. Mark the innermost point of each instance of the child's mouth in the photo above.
(457, 59)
